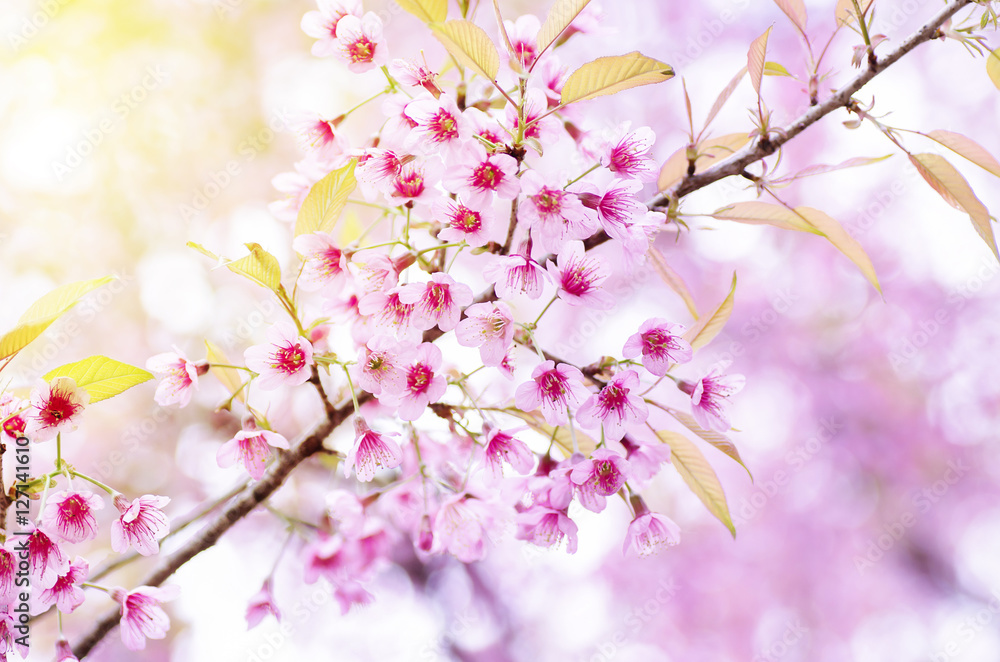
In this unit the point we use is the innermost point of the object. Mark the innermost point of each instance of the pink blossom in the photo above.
(360, 42)
(547, 527)
(325, 556)
(382, 369)
(488, 326)
(438, 302)
(295, 186)
(415, 75)
(552, 75)
(645, 458)
(539, 126)
(415, 182)
(262, 604)
(627, 154)
(553, 214)
(324, 264)
(319, 136)
(389, 313)
(376, 170)
(70, 514)
(580, 277)
(523, 35)
(8, 575)
(516, 273)
(423, 385)
(64, 653)
(661, 343)
(322, 24)
(462, 223)
(140, 524)
(180, 377)
(486, 127)
(710, 397)
(142, 616)
(616, 407)
(502, 448)
(55, 407)
(13, 419)
(617, 208)
(46, 559)
(507, 365)
(373, 271)
(347, 512)
(66, 592)
(598, 477)
(283, 360)
(251, 447)
(459, 528)
(441, 127)
(648, 532)
(554, 389)
(371, 451)
(350, 593)
(478, 177)
(11, 639)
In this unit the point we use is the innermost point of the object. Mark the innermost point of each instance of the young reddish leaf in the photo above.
(259, 266)
(764, 213)
(755, 59)
(845, 13)
(950, 185)
(428, 11)
(710, 151)
(608, 75)
(470, 46)
(101, 377)
(967, 148)
(822, 169)
(699, 475)
(844, 242)
(326, 199)
(672, 279)
(708, 327)
(720, 441)
(559, 17)
(795, 10)
(724, 97)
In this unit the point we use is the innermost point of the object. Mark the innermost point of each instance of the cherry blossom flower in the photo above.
(488, 326)
(554, 389)
(283, 360)
(360, 42)
(180, 377)
(296, 186)
(415, 75)
(598, 477)
(486, 128)
(325, 265)
(552, 75)
(347, 512)
(462, 223)
(8, 574)
(710, 397)
(55, 407)
(319, 136)
(507, 365)
(502, 448)
(523, 34)
(371, 451)
(251, 447)
(415, 182)
(142, 616)
(382, 369)
(648, 532)
(66, 592)
(553, 214)
(11, 639)
(438, 302)
(373, 271)
(70, 515)
(423, 385)
(390, 314)
(478, 177)
(441, 128)
(64, 653)
(616, 207)
(262, 604)
(645, 458)
(459, 528)
(580, 277)
(323, 24)
(13, 416)
(627, 154)
(661, 344)
(46, 559)
(376, 170)
(539, 126)
(616, 407)
(516, 273)
(140, 524)
(350, 593)
(325, 556)
(547, 527)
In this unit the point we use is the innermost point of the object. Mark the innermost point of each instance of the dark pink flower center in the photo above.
(549, 201)
(437, 297)
(487, 176)
(467, 220)
(289, 358)
(58, 407)
(552, 385)
(409, 184)
(658, 342)
(577, 279)
(418, 379)
(362, 50)
(443, 126)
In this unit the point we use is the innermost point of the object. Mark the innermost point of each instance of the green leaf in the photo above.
(101, 377)
(720, 441)
(470, 46)
(708, 327)
(993, 67)
(428, 11)
(259, 266)
(608, 75)
(699, 475)
(326, 200)
(558, 19)
(41, 314)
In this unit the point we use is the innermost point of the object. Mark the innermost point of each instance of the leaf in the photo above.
(699, 475)
(470, 46)
(776, 69)
(993, 67)
(707, 328)
(720, 441)
(950, 185)
(229, 377)
(259, 266)
(672, 279)
(844, 242)
(558, 19)
(755, 59)
(845, 14)
(724, 96)
(796, 12)
(608, 75)
(428, 11)
(763, 213)
(967, 148)
(822, 169)
(710, 151)
(326, 199)
(101, 377)
(46, 310)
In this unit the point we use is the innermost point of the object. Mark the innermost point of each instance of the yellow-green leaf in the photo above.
(967, 148)
(708, 327)
(845, 13)
(993, 67)
(41, 314)
(844, 242)
(259, 266)
(710, 151)
(699, 475)
(720, 441)
(559, 17)
(763, 213)
(229, 377)
(672, 279)
(755, 59)
(775, 69)
(326, 199)
(470, 46)
(950, 185)
(428, 11)
(101, 377)
(608, 75)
